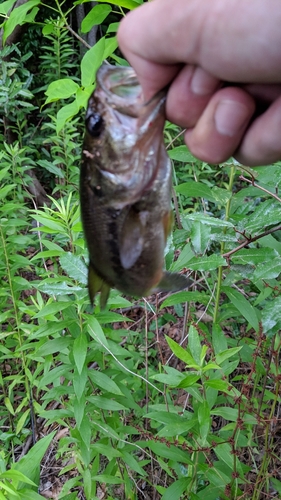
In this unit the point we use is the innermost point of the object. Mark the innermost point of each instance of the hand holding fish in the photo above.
(222, 60)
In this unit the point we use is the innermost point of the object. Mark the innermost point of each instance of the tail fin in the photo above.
(172, 282)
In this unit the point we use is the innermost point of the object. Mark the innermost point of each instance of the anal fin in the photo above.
(97, 284)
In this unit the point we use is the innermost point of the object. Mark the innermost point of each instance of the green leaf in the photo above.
(209, 221)
(53, 169)
(53, 375)
(4, 171)
(194, 343)
(176, 489)
(127, 4)
(9, 406)
(204, 420)
(11, 490)
(56, 345)
(74, 267)
(132, 463)
(107, 479)
(219, 385)
(106, 404)
(61, 89)
(107, 450)
(219, 339)
(253, 256)
(232, 414)
(268, 270)
(173, 430)
(29, 465)
(96, 16)
(185, 256)
(52, 309)
(110, 317)
(200, 236)
(17, 16)
(111, 45)
(6, 6)
(16, 475)
(80, 351)
(188, 381)
(266, 214)
(243, 306)
(206, 263)
(170, 453)
(164, 417)
(105, 382)
(91, 62)
(193, 189)
(271, 314)
(179, 297)
(58, 288)
(49, 224)
(228, 353)
(21, 421)
(182, 354)
(65, 113)
(276, 484)
(181, 153)
(96, 332)
(226, 412)
(220, 196)
(79, 383)
(171, 379)
(6, 190)
(224, 453)
(79, 403)
(210, 366)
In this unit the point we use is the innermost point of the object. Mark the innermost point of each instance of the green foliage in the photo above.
(124, 410)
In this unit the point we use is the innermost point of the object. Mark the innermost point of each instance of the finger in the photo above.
(261, 144)
(188, 95)
(214, 35)
(264, 93)
(220, 128)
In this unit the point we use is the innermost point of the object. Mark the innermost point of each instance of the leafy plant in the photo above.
(172, 396)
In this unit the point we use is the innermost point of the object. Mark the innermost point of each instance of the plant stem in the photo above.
(251, 240)
(220, 270)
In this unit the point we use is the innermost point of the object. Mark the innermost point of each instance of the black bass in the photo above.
(125, 188)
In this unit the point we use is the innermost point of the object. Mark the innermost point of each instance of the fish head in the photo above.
(124, 134)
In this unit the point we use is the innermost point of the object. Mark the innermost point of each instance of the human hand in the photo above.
(223, 63)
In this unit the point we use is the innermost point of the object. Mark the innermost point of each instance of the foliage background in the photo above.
(169, 397)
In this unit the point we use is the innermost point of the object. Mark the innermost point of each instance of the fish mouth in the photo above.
(124, 93)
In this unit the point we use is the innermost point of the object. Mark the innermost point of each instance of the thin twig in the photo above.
(78, 37)
(175, 138)
(252, 181)
(251, 240)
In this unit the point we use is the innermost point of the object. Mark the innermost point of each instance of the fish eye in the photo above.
(94, 124)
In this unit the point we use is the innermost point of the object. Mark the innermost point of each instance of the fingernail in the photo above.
(202, 83)
(230, 117)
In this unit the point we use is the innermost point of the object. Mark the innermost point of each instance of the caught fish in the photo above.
(125, 189)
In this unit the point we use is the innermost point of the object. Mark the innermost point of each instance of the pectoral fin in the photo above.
(172, 282)
(97, 284)
(132, 238)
